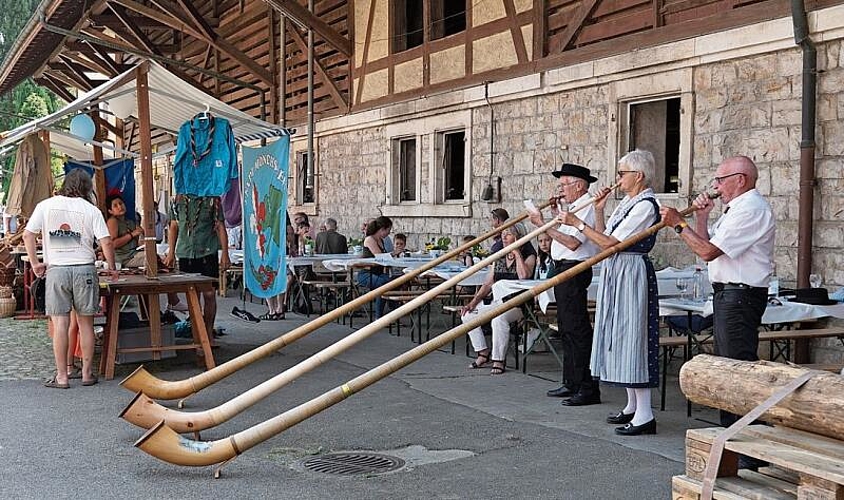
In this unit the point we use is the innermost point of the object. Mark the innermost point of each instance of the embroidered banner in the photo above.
(264, 207)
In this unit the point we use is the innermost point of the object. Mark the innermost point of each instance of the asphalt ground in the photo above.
(464, 433)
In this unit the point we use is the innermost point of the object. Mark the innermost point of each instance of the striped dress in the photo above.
(626, 341)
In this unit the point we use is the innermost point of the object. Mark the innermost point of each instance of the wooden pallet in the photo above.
(802, 465)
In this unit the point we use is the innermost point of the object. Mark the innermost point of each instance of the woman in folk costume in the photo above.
(626, 342)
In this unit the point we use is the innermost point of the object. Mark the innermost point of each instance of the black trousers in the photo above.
(737, 315)
(575, 329)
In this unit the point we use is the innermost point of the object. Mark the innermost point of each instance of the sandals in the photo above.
(91, 382)
(54, 384)
(498, 370)
(476, 365)
(269, 317)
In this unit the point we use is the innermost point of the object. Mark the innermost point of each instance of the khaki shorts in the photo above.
(72, 287)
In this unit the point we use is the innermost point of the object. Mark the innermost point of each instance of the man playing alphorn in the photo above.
(740, 253)
(570, 247)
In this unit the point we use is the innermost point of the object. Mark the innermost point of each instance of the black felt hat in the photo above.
(572, 170)
(813, 296)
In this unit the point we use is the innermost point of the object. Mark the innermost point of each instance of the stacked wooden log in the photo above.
(803, 446)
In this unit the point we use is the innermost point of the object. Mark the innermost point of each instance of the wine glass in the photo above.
(815, 280)
(682, 285)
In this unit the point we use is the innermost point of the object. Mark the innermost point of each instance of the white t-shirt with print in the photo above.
(69, 228)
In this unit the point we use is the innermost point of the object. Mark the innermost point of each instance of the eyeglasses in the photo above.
(567, 184)
(621, 173)
(720, 180)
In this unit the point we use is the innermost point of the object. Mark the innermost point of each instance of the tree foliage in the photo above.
(27, 100)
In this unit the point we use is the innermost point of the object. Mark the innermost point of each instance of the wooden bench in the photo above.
(802, 465)
(403, 296)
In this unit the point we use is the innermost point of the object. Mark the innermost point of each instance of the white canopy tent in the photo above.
(158, 99)
(172, 101)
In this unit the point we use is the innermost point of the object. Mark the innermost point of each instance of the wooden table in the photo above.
(150, 290)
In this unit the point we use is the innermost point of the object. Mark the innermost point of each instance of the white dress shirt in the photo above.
(745, 233)
(586, 249)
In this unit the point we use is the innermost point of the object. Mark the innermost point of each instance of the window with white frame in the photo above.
(451, 156)
(305, 179)
(654, 125)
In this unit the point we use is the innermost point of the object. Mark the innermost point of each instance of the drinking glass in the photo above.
(682, 285)
(815, 280)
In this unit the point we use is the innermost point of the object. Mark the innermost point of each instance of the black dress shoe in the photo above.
(620, 418)
(636, 430)
(561, 392)
(581, 399)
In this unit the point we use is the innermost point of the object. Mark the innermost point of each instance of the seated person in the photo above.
(124, 233)
(330, 241)
(373, 245)
(400, 246)
(499, 217)
(544, 262)
(518, 264)
(466, 258)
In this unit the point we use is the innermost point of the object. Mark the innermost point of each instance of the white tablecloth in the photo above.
(788, 312)
(666, 282)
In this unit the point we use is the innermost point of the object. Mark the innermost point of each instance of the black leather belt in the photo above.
(566, 262)
(732, 286)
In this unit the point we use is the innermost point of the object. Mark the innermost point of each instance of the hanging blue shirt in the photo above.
(202, 169)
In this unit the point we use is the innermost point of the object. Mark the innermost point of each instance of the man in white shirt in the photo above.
(740, 253)
(569, 247)
(70, 225)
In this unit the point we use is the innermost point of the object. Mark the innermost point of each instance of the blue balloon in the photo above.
(83, 126)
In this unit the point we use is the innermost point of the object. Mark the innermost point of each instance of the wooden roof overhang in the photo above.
(230, 49)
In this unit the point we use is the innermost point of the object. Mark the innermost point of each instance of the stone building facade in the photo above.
(739, 92)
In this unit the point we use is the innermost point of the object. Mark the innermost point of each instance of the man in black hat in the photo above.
(570, 247)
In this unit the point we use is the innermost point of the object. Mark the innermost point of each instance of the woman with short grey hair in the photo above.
(626, 342)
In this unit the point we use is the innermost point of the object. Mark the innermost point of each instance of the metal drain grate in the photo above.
(350, 464)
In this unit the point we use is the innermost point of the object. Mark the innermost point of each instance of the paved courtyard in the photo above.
(463, 433)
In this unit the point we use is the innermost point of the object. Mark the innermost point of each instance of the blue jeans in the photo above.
(373, 281)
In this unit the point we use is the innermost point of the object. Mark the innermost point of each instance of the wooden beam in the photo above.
(90, 65)
(329, 82)
(148, 214)
(301, 15)
(80, 81)
(220, 43)
(574, 25)
(56, 88)
(134, 30)
(130, 50)
(102, 123)
(93, 51)
(516, 32)
(140, 21)
(365, 59)
(164, 18)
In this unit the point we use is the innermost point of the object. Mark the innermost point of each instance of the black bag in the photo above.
(38, 291)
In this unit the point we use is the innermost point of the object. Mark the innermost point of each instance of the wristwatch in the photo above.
(581, 227)
(679, 227)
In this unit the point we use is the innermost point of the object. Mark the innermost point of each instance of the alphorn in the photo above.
(145, 412)
(166, 444)
(142, 381)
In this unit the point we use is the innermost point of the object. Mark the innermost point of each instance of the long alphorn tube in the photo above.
(166, 444)
(142, 381)
(145, 412)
